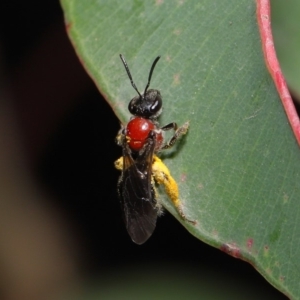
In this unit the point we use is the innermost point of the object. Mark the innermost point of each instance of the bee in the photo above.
(141, 168)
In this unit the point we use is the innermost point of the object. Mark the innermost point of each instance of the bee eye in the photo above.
(156, 106)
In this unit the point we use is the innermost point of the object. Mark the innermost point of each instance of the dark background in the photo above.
(67, 133)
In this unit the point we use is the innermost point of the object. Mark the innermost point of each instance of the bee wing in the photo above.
(137, 194)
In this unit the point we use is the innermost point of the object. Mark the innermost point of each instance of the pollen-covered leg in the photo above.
(162, 175)
(178, 133)
(119, 163)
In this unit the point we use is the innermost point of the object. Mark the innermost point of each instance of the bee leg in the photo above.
(158, 206)
(179, 131)
(170, 126)
(162, 175)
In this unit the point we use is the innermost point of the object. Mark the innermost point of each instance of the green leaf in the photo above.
(238, 166)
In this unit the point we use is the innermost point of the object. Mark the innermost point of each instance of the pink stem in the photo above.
(264, 23)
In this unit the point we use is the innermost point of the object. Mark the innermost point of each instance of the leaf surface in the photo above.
(238, 166)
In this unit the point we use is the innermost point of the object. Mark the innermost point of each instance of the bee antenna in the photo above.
(129, 75)
(151, 71)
